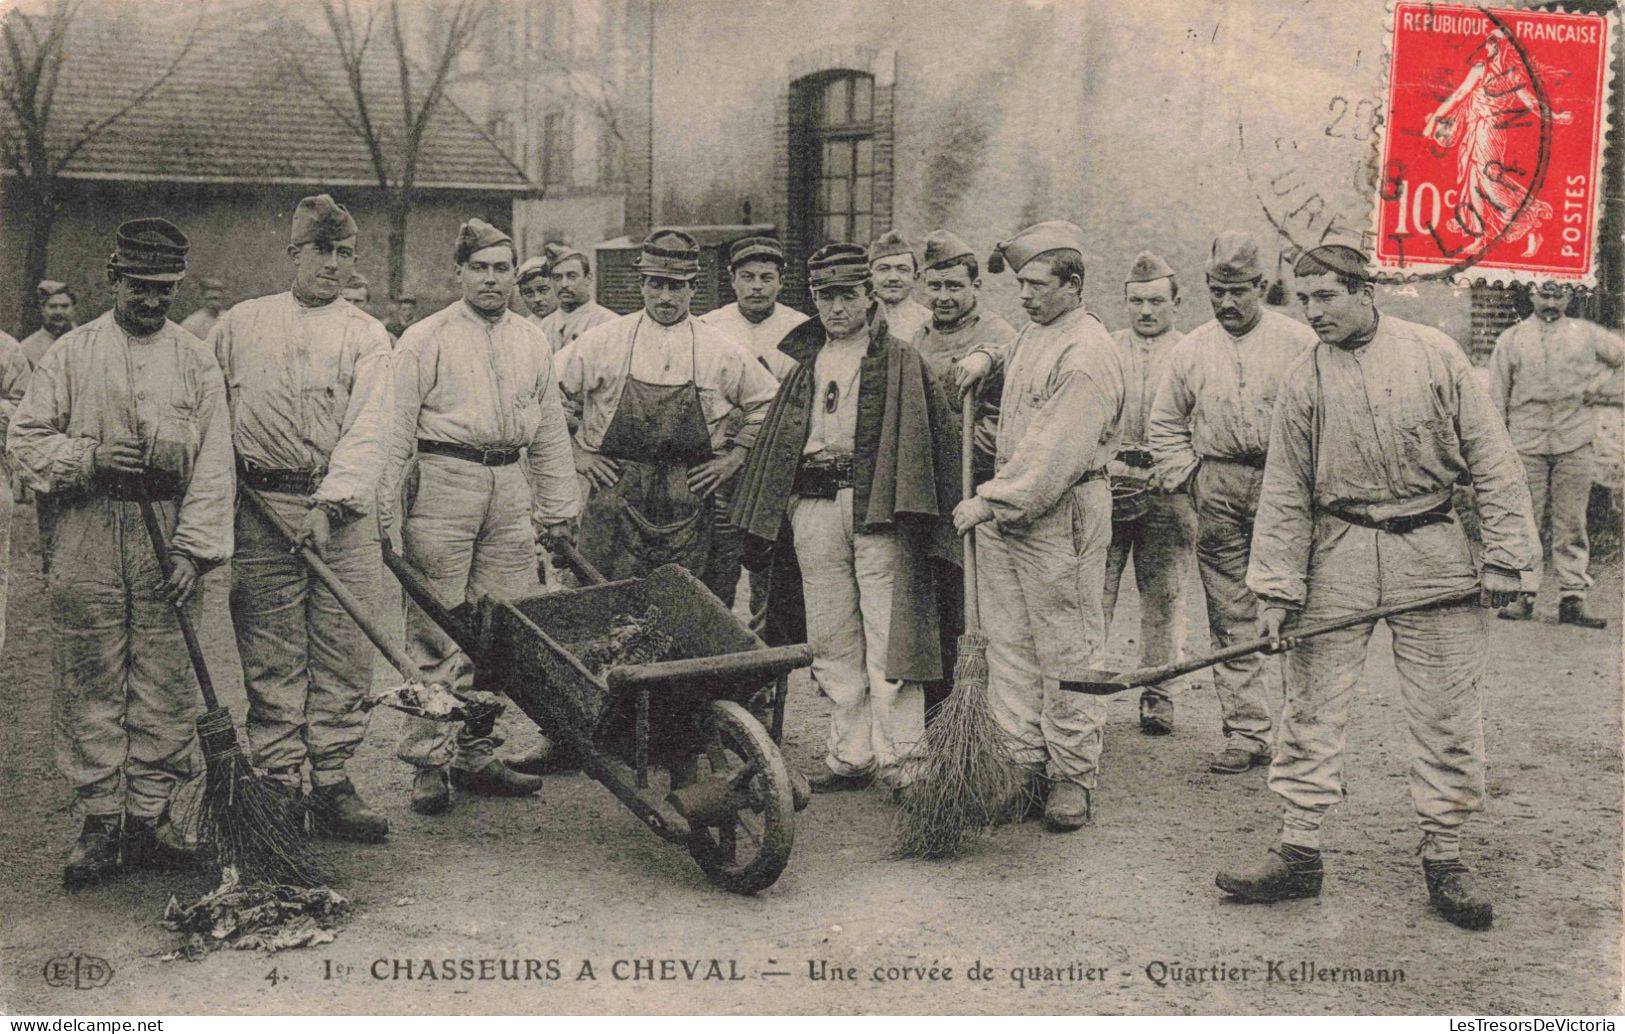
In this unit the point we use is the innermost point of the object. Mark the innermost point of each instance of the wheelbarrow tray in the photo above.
(525, 653)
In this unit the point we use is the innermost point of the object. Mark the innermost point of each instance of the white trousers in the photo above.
(846, 580)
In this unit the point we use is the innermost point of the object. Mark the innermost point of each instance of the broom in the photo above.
(256, 830)
(966, 777)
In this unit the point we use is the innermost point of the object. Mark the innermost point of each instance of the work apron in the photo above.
(649, 517)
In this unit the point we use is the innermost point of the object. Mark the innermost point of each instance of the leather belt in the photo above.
(289, 482)
(822, 479)
(157, 486)
(1139, 459)
(1256, 461)
(1443, 513)
(484, 457)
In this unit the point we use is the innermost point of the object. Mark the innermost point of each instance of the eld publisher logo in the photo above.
(80, 972)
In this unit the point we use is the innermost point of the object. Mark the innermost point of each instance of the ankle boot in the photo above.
(340, 812)
(1572, 611)
(1287, 873)
(431, 794)
(1455, 893)
(94, 856)
(143, 848)
(494, 779)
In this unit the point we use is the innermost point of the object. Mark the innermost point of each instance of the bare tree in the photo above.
(379, 83)
(38, 150)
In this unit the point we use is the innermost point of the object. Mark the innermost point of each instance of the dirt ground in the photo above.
(1121, 917)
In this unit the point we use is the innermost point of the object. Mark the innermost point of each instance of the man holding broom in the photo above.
(845, 497)
(308, 380)
(1043, 522)
(126, 407)
(1373, 428)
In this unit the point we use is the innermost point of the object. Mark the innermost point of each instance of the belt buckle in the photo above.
(491, 457)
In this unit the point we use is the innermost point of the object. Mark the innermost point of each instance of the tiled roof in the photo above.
(238, 109)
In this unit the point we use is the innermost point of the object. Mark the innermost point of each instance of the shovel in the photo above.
(1104, 683)
(466, 710)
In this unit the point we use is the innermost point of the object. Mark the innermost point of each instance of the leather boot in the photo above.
(494, 779)
(94, 856)
(1520, 609)
(143, 848)
(549, 758)
(1572, 611)
(1454, 892)
(1156, 715)
(339, 812)
(431, 794)
(1287, 873)
(1067, 808)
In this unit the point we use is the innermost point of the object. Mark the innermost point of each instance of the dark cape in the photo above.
(905, 476)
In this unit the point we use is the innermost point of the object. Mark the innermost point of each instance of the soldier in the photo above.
(1539, 373)
(1208, 430)
(1160, 536)
(309, 382)
(56, 304)
(404, 313)
(214, 302)
(895, 268)
(536, 289)
(126, 407)
(475, 387)
(358, 292)
(848, 500)
(656, 394)
(1373, 428)
(1043, 521)
(577, 313)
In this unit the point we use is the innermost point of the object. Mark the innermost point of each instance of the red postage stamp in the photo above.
(1493, 143)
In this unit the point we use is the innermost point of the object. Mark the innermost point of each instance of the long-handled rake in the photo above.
(965, 774)
(254, 829)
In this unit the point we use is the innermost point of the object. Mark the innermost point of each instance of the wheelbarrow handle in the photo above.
(396, 656)
(1162, 673)
(763, 664)
(578, 562)
(422, 593)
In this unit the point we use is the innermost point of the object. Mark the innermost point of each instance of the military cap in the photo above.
(838, 265)
(1051, 235)
(557, 254)
(1337, 259)
(407, 296)
(1234, 259)
(320, 218)
(671, 254)
(755, 249)
(47, 288)
(1148, 267)
(531, 268)
(357, 280)
(944, 249)
(891, 243)
(149, 249)
(476, 235)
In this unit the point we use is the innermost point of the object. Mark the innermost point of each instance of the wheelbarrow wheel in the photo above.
(747, 851)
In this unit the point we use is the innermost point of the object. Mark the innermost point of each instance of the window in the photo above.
(557, 151)
(839, 146)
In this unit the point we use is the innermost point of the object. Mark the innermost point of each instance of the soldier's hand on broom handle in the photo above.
(971, 512)
(1501, 586)
(182, 580)
(119, 456)
(316, 532)
(968, 371)
(1271, 619)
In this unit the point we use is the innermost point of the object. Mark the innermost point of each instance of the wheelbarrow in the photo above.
(730, 799)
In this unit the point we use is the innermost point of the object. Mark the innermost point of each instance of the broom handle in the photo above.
(1149, 676)
(967, 445)
(393, 654)
(155, 532)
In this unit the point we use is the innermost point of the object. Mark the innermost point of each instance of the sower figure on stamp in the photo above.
(577, 313)
(1043, 521)
(1209, 431)
(1539, 374)
(756, 269)
(655, 393)
(310, 383)
(126, 407)
(1373, 428)
(475, 388)
(846, 498)
(1158, 533)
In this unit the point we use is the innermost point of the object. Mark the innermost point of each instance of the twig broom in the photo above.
(966, 777)
(254, 829)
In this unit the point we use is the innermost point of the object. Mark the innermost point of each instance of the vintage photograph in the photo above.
(811, 507)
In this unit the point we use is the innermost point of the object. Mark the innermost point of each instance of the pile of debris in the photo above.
(262, 916)
(632, 639)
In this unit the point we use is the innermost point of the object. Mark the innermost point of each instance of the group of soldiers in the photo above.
(1308, 467)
